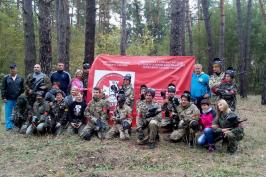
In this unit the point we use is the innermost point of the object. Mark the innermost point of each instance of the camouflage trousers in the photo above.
(72, 130)
(231, 141)
(118, 129)
(185, 131)
(149, 134)
(40, 128)
(91, 128)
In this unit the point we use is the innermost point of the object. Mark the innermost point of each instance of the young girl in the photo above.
(206, 118)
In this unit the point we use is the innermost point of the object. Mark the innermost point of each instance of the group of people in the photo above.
(55, 104)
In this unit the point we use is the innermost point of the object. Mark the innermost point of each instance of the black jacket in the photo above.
(11, 89)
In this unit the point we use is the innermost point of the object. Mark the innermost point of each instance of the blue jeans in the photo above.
(207, 137)
(9, 106)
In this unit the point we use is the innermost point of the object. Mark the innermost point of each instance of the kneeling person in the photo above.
(59, 111)
(96, 114)
(148, 119)
(122, 119)
(188, 114)
(40, 119)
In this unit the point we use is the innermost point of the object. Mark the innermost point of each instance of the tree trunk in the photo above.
(18, 2)
(90, 31)
(222, 29)
(29, 37)
(78, 14)
(137, 18)
(45, 35)
(183, 31)
(63, 32)
(262, 10)
(205, 8)
(188, 24)
(123, 41)
(176, 25)
(263, 94)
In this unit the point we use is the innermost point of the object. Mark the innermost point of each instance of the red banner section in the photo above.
(154, 71)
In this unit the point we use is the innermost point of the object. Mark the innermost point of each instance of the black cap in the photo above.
(12, 66)
(127, 77)
(231, 72)
(86, 66)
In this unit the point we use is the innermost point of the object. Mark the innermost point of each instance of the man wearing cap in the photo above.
(227, 89)
(129, 90)
(40, 119)
(143, 89)
(170, 102)
(12, 87)
(188, 125)
(58, 112)
(85, 76)
(36, 81)
(199, 87)
(148, 120)
(215, 80)
(62, 77)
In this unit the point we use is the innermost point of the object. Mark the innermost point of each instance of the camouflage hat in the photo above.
(127, 77)
(39, 94)
(187, 95)
(230, 71)
(151, 91)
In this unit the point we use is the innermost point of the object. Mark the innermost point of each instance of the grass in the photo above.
(70, 156)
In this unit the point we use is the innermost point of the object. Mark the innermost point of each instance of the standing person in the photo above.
(227, 127)
(129, 90)
(215, 80)
(206, 118)
(170, 102)
(36, 81)
(199, 87)
(62, 77)
(227, 89)
(12, 87)
(148, 120)
(85, 77)
(77, 81)
(96, 114)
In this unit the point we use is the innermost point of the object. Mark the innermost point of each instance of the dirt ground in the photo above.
(70, 156)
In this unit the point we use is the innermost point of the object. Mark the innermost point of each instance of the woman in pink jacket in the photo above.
(77, 81)
(206, 118)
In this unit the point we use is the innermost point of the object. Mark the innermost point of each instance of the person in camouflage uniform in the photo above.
(22, 113)
(129, 90)
(40, 119)
(36, 81)
(148, 119)
(58, 112)
(143, 89)
(227, 89)
(215, 80)
(85, 76)
(96, 114)
(122, 119)
(170, 119)
(188, 114)
(227, 127)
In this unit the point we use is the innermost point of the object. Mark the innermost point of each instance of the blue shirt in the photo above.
(199, 85)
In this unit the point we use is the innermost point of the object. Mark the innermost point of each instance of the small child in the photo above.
(206, 118)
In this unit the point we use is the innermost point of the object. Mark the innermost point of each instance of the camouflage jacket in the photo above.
(227, 90)
(215, 81)
(96, 110)
(123, 113)
(129, 92)
(39, 108)
(23, 109)
(59, 112)
(225, 120)
(85, 79)
(142, 111)
(45, 85)
(191, 112)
